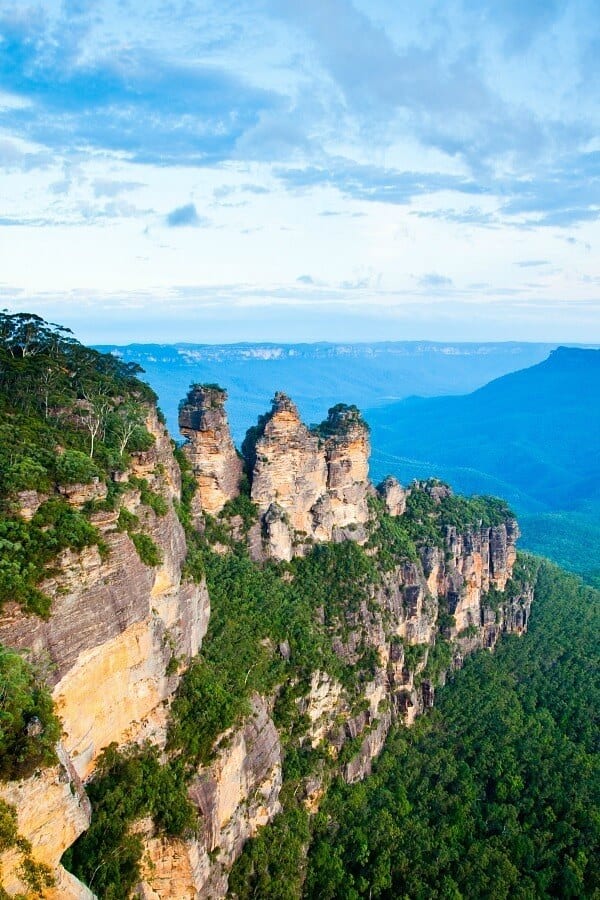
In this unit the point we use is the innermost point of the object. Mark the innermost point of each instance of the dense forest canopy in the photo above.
(493, 794)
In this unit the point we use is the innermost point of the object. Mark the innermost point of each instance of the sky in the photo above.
(295, 170)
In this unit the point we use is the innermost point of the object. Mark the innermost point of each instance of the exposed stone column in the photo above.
(289, 465)
(393, 495)
(209, 448)
(347, 452)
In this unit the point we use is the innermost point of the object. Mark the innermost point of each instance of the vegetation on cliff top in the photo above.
(68, 415)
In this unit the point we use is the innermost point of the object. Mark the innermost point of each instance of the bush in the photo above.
(150, 498)
(147, 550)
(141, 440)
(75, 467)
(203, 708)
(27, 475)
(29, 729)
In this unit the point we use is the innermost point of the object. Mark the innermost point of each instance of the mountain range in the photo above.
(317, 376)
(532, 437)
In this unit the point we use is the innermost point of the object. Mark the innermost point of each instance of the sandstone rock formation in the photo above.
(115, 625)
(209, 447)
(235, 795)
(289, 468)
(393, 496)
(309, 485)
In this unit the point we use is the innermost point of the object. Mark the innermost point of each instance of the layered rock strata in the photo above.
(235, 796)
(117, 625)
(309, 485)
(209, 447)
(106, 649)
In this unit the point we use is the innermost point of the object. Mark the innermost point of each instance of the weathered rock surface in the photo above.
(290, 468)
(52, 811)
(393, 496)
(309, 485)
(235, 796)
(114, 627)
(209, 447)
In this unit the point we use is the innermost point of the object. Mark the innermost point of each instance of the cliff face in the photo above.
(121, 631)
(209, 448)
(116, 623)
(308, 485)
(235, 795)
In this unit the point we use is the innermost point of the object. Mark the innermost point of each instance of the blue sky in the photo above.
(302, 169)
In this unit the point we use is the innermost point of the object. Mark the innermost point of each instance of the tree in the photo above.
(126, 419)
(92, 415)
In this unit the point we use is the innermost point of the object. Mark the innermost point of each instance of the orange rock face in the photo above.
(114, 627)
(309, 484)
(209, 447)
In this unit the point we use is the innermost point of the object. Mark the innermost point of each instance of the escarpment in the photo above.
(107, 649)
(335, 611)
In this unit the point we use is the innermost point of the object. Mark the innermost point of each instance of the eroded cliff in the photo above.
(337, 609)
(209, 448)
(118, 633)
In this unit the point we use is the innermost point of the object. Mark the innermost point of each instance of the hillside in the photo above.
(532, 436)
(318, 376)
(200, 647)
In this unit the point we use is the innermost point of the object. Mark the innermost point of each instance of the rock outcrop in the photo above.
(52, 811)
(209, 448)
(393, 496)
(309, 484)
(235, 795)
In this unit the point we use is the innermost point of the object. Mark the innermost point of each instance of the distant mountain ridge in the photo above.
(536, 432)
(532, 437)
(319, 375)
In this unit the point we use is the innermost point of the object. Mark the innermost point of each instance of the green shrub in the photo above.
(27, 474)
(27, 548)
(8, 826)
(140, 440)
(127, 520)
(476, 511)
(29, 729)
(75, 467)
(150, 498)
(63, 527)
(147, 550)
(203, 708)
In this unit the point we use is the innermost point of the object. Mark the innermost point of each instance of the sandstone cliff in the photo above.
(309, 485)
(235, 795)
(116, 624)
(209, 447)
(417, 595)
